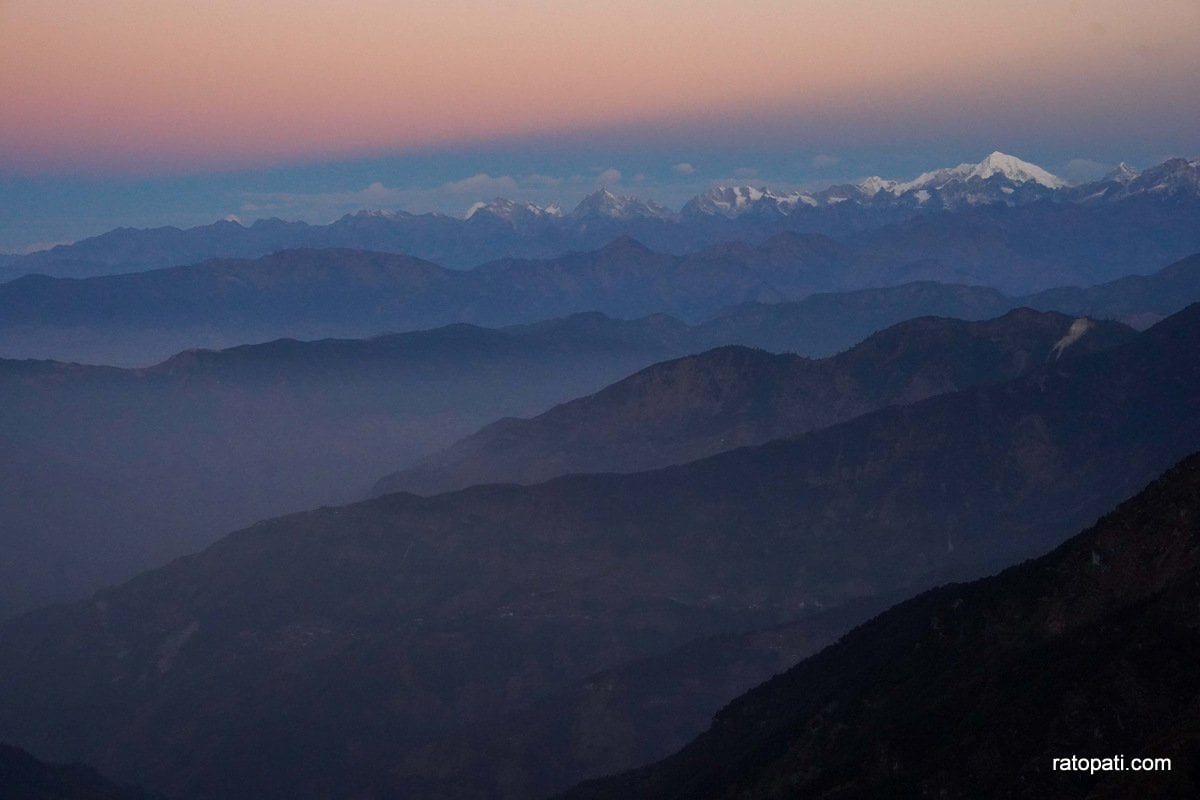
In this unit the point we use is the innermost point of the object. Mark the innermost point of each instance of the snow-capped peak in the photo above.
(734, 201)
(374, 213)
(1015, 170)
(511, 210)
(874, 185)
(1123, 174)
(997, 163)
(604, 203)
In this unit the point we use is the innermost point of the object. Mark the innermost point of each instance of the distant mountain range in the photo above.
(614, 510)
(141, 318)
(1104, 221)
(974, 690)
(682, 410)
(314, 655)
(163, 459)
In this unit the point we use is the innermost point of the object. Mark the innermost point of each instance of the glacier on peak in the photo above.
(874, 185)
(734, 201)
(603, 203)
(996, 163)
(1123, 174)
(512, 210)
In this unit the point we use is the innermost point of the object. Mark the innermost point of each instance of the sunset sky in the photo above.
(150, 112)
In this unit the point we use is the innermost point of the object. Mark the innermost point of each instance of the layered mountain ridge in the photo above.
(731, 397)
(576, 590)
(391, 624)
(108, 471)
(140, 318)
(106, 464)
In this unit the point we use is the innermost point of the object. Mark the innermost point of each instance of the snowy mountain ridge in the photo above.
(998, 178)
(997, 163)
(606, 205)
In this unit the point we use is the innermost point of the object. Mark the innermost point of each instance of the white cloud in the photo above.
(1082, 170)
(373, 196)
(458, 196)
(683, 168)
(37, 247)
(448, 198)
(609, 177)
(482, 183)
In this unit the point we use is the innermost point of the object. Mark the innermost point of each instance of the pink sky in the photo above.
(159, 85)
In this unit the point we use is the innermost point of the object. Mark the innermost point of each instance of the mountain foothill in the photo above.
(776, 495)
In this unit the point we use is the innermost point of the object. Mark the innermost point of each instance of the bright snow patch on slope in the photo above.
(1078, 328)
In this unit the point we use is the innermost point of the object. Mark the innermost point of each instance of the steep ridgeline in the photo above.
(696, 406)
(107, 472)
(1001, 219)
(23, 777)
(309, 655)
(1139, 300)
(824, 324)
(973, 690)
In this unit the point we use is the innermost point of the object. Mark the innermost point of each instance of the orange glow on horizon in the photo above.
(161, 85)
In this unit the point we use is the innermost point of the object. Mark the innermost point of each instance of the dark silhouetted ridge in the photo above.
(972, 690)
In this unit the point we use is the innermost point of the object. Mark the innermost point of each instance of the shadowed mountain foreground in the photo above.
(973, 690)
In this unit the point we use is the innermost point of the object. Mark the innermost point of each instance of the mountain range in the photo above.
(731, 397)
(981, 196)
(141, 318)
(314, 655)
(608, 510)
(974, 690)
(108, 471)
(318, 293)
(113, 470)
